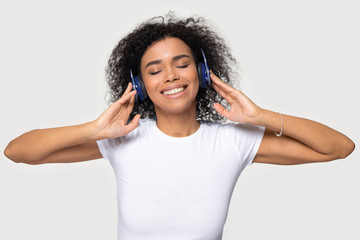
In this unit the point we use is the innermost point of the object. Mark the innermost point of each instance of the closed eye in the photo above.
(154, 73)
(183, 66)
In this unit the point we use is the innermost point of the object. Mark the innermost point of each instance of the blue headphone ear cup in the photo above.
(203, 72)
(142, 87)
(200, 75)
(138, 85)
(205, 75)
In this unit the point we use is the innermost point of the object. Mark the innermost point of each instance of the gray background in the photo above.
(297, 57)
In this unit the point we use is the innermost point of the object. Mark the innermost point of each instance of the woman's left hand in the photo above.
(243, 110)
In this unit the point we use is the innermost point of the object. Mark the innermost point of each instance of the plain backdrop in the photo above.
(296, 57)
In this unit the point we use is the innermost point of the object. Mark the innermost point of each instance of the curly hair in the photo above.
(196, 34)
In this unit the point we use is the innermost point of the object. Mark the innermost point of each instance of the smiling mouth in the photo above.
(173, 91)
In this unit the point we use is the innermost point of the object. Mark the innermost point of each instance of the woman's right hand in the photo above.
(113, 122)
(74, 143)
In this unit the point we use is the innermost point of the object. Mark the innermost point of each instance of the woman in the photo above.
(177, 166)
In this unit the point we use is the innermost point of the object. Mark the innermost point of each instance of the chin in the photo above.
(177, 104)
(177, 108)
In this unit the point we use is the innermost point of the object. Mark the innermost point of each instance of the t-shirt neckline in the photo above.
(160, 133)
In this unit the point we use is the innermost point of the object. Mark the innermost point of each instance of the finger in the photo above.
(219, 90)
(126, 97)
(221, 110)
(112, 110)
(127, 91)
(133, 124)
(128, 88)
(120, 107)
(223, 94)
(226, 91)
(131, 104)
(125, 107)
(218, 82)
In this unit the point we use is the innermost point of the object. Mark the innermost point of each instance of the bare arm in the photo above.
(63, 144)
(303, 140)
(74, 143)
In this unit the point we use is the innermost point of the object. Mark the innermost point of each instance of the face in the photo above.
(169, 73)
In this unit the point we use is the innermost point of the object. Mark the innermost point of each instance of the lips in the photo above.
(173, 90)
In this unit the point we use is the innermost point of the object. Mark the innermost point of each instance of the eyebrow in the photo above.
(174, 59)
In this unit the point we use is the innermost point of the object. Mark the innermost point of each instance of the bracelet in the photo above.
(282, 124)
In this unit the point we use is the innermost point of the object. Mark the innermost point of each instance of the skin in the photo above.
(303, 140)
(171, 72)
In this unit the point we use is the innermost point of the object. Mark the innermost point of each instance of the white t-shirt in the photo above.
(172, 188)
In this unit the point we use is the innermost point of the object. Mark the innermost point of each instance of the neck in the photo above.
(177, 124)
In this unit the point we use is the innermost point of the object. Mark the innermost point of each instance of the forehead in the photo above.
(165, 49)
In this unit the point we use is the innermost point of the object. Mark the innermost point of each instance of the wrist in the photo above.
(268, 119)
(259, 117)
(93, 131)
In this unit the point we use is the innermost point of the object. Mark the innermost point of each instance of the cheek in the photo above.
(149, 83)
(192, 75)
(195, 80)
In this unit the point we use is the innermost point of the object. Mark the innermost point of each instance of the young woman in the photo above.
(176, 167)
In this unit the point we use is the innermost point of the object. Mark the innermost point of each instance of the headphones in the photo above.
(203, 73)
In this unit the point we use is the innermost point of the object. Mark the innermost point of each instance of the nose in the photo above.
(171, 75)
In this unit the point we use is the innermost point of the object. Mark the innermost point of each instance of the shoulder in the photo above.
(231, 126)
(144, 126)
(109, 147)
(231, 130)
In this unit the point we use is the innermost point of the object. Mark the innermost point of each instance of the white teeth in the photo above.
(173, 91)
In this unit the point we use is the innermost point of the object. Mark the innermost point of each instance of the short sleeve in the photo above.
(250, 141)
(108, 147)
(247, 139)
